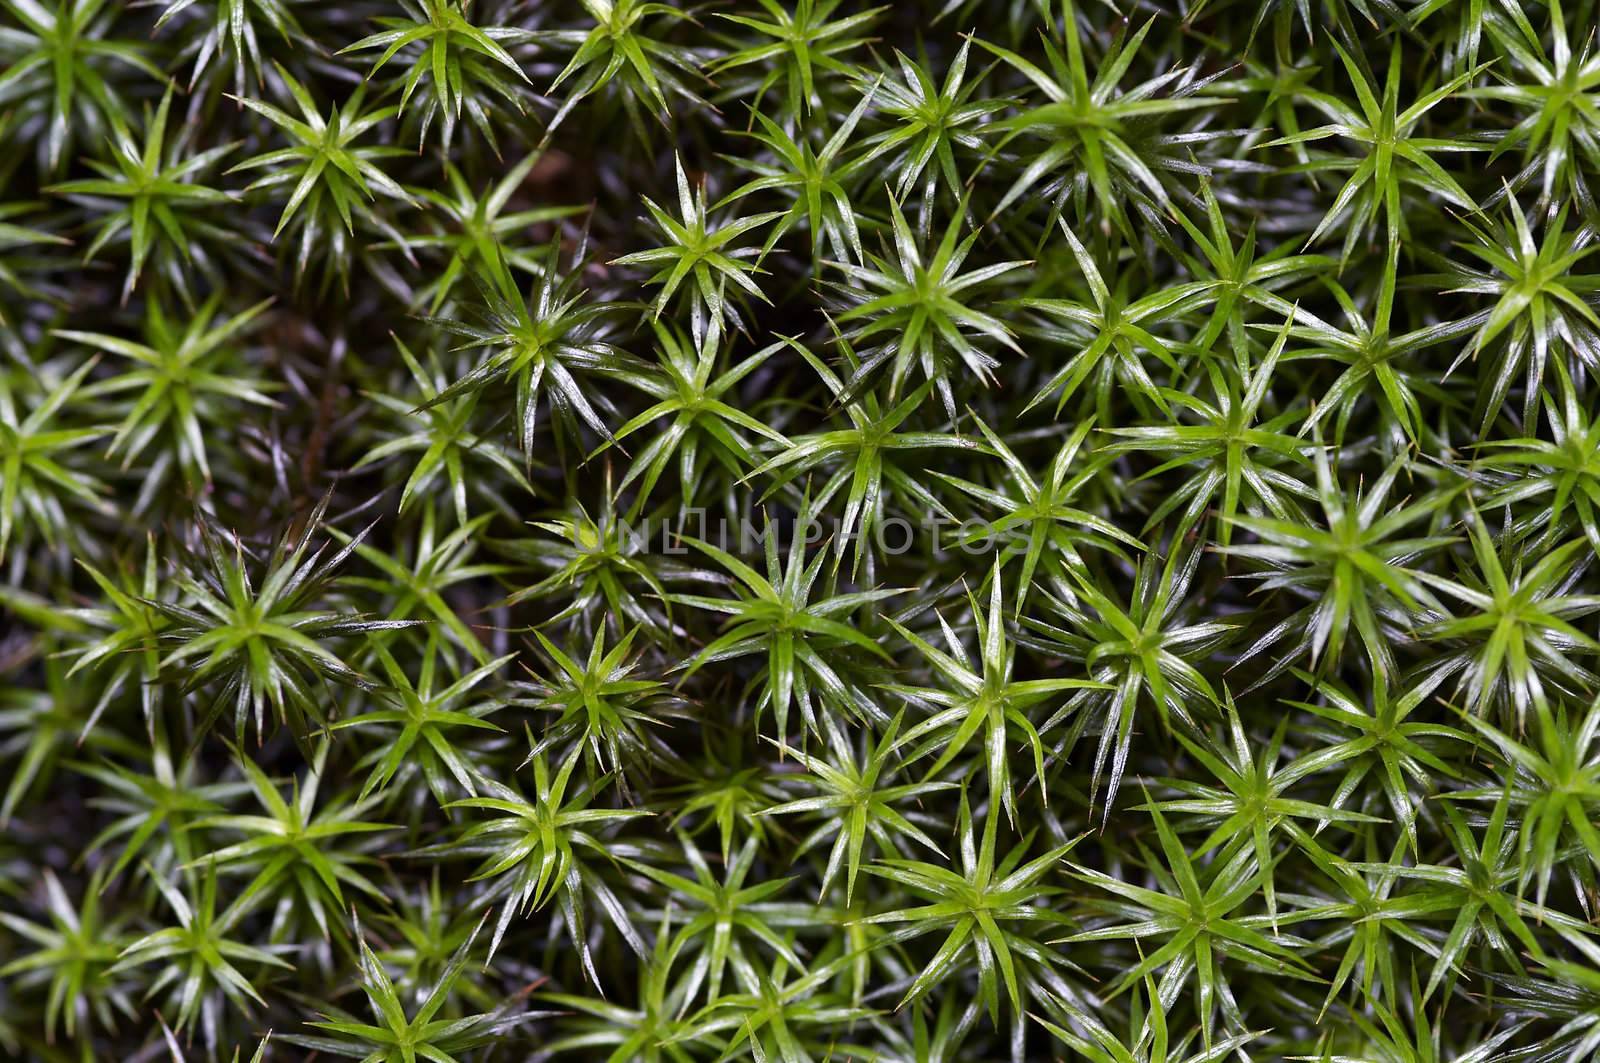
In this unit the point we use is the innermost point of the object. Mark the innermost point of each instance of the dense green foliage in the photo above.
(798, 530)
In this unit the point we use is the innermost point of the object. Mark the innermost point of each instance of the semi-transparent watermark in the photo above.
(887, 536)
